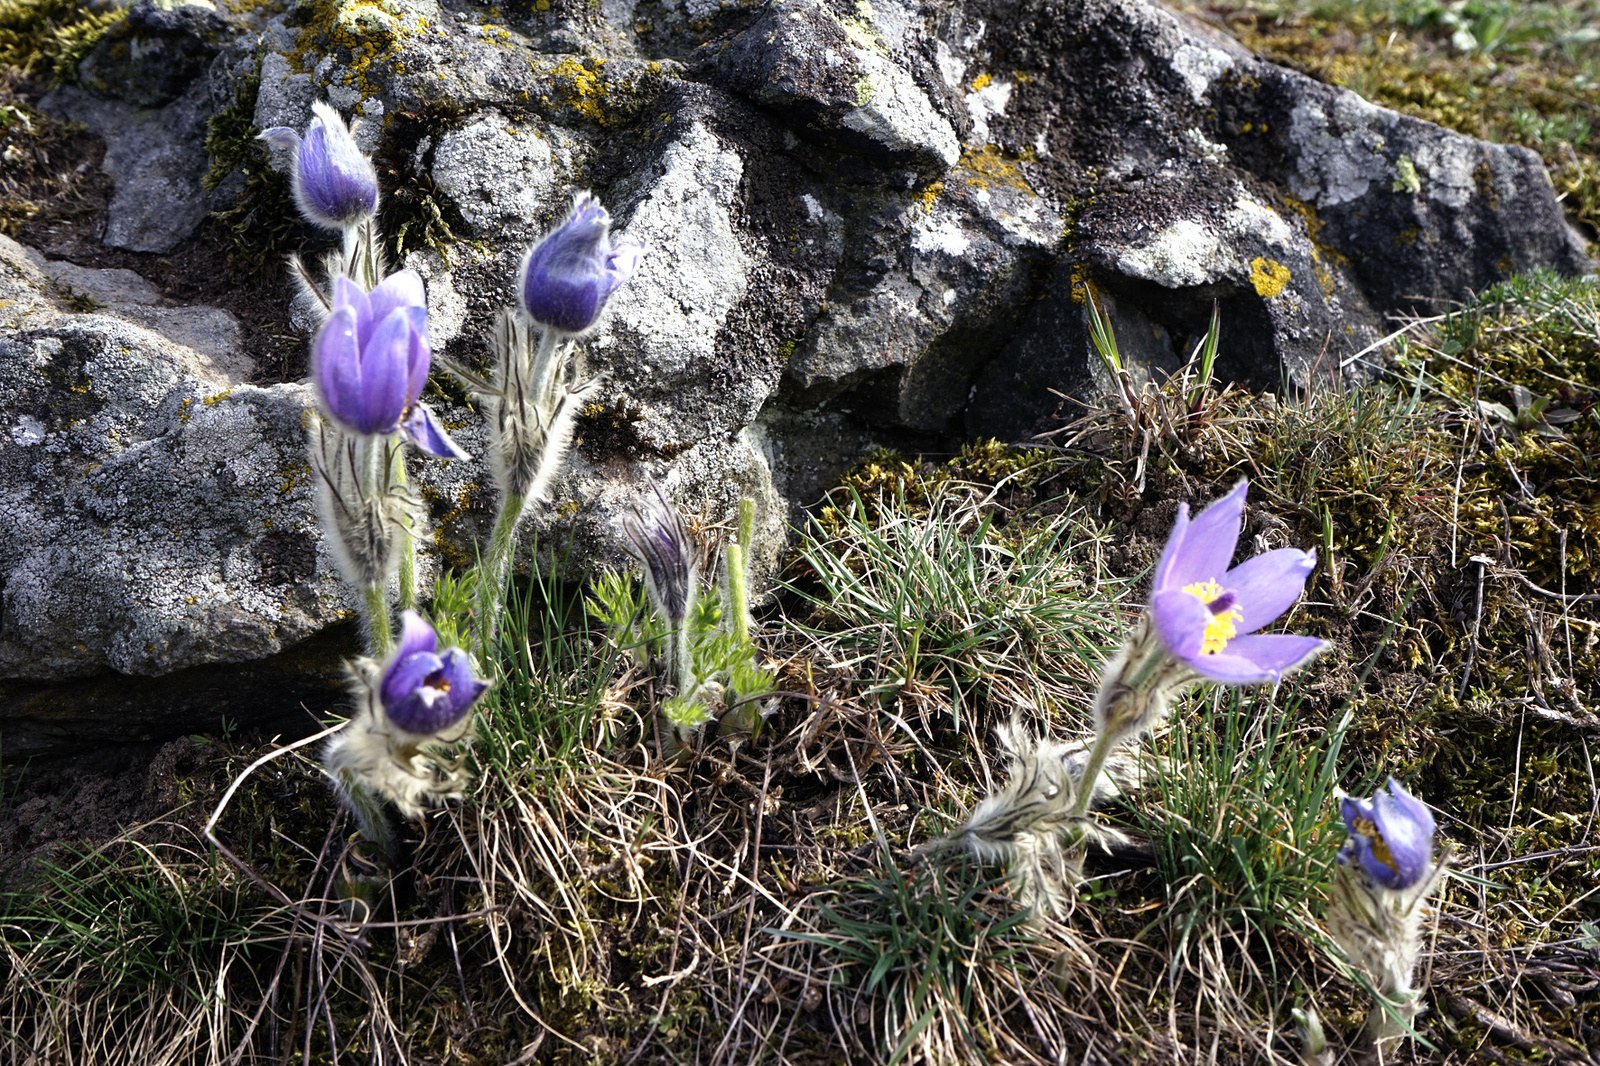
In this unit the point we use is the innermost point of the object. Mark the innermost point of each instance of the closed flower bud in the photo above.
(568, 276)
(334, 183)
(1391, 837)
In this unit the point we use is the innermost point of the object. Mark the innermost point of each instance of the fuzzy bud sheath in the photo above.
(1379, 901)
(1029, 825)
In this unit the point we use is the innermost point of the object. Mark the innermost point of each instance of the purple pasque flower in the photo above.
(1207, 615)
(334, 183)
(568, 276)
(370, 362)
(423, 691)
(1391, 836)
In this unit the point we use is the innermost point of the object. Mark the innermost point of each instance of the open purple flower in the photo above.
(423, 691)
(370, 361)
(1207, 615)
(568, 276)
(1391, 837)
(334, 183)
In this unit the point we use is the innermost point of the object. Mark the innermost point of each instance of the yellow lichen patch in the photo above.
(981, 82)
(1406, 178)
(580, 85)
(1082, 287)
(1314, 226)
(217, 398)
(362, 32)
(988, 167)
(1268, 276)
(929, 195)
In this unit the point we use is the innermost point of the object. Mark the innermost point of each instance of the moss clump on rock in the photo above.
(46, 39)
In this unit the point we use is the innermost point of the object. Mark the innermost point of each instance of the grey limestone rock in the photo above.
(833, 77)
(152, 55)
(155, 156)
(158, 508)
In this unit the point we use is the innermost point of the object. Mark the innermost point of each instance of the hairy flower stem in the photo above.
(407, 545)
(543, 374)
(494, 569)
(1121, 707)
(362, 261)
(738, 563)
(374, 465)
(380, 637)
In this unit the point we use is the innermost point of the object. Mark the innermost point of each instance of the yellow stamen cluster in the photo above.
(1222, 627)
(1380, 849)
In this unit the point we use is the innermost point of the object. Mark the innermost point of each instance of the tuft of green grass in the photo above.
(122, 952)
(917, 956)
(950, 597)
(1240, 807)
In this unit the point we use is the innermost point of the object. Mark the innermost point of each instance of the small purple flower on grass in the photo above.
(568, 276)
(1391, 837)
(1207, 616)
(370, 361)
(334, 183)
(423, 691)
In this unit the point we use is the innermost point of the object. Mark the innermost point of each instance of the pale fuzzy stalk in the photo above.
(738, 565)
(380, 636)
(375, 598)
(362, 259)
(366, 807)
(1136, 692)
(682, 660)
(542, 370)
(738, 594)
(558, 436)
(493, 570)
(1380, 932)
(407, 543)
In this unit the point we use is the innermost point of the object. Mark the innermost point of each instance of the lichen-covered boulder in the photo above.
(156, 50)
(158, 508)
(157, 159)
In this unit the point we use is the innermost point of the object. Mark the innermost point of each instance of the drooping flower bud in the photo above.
(334, 183)
(370, 362)
(1377, 903)
(425, 692)
(1391, 837)
(655, 535)
(568, 276)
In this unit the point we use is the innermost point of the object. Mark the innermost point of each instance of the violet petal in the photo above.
(1268, 585)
